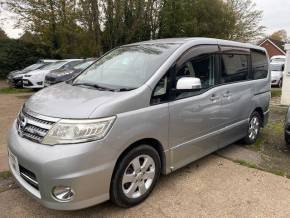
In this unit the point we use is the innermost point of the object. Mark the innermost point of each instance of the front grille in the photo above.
(29, 177)
(32, 126)
(50, 79)
(27, 82)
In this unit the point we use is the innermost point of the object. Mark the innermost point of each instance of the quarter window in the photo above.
(259, 65)
(234, 68)
(161, 92)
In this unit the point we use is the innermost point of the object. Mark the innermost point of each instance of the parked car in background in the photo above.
(14, 78)
(278, 59)
(140, 110)
(61, 75)
(287, 127)
(277, 69)
(35, 79)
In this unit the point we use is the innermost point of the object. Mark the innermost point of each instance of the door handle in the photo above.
(214, 98)
(227, 94)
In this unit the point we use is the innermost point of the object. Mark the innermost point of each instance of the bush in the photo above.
(16, 54)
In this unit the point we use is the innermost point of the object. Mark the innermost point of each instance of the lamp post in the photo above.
(285, 98)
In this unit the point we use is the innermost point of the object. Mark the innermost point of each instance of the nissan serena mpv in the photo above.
(139, 111)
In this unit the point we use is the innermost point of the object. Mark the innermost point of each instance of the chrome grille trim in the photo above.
(30, 179)
(33, 126)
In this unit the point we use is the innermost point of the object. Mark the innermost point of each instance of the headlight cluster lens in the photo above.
(75, 131)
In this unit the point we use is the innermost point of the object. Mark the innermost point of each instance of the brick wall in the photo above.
(271, 49)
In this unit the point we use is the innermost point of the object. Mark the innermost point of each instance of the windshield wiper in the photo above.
(96, 86)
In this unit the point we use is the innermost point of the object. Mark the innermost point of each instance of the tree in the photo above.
(82, 28)
(280, 35)
(16, 54)
(3, 34)
(246, 20)
(190, 18)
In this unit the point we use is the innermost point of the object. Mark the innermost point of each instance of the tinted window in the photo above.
(128, 66)
(201, 67)
(259, 65)
(234, 68)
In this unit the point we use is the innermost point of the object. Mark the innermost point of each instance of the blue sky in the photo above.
(276, 16)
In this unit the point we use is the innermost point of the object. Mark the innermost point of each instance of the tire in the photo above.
(141, 181)
(287, 138)
(280, 84)
(287, 141)
(254, 128)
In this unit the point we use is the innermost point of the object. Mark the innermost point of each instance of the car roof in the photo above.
(278, 56)
(200, 40)
(68, 60)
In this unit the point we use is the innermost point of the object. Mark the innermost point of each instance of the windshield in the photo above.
(278, 60)
(54, 66)
(276, 67)
(83, 65)
(128, 66)
(71, 64)
(33, 67)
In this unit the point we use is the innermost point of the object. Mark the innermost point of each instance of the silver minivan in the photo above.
(139, 111)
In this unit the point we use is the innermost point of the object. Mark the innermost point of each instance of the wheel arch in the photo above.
(154, 143)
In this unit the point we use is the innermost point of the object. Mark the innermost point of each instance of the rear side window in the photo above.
(234, 68)
(259, 65)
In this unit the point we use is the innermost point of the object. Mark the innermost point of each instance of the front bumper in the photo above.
(86, 168)
(15, 81)
(29, 83)
(275, 81)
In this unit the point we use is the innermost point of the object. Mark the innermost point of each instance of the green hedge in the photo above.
(16, 54)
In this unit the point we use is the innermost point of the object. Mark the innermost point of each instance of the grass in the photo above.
(247, 164)
(277, 128)
(254, 166)
(5, 175)
(10, 90)
(275, 92)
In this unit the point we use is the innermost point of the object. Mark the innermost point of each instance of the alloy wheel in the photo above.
(254, 128)
(138, 176)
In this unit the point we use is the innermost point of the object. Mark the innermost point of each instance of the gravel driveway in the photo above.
(211, 187)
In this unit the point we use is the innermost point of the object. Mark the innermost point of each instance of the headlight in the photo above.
(68, 131)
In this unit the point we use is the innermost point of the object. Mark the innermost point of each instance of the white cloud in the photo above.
(276, 14)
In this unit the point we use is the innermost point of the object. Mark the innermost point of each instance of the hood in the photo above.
(38, 72)
(57, 73)
(66, 101)
(14, 73)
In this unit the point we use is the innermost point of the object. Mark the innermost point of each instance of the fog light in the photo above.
(63, 193)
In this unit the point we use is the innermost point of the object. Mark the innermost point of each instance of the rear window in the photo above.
(259, 65)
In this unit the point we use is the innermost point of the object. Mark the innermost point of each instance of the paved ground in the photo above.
(3, 84)
(212, 187)
(9, 107)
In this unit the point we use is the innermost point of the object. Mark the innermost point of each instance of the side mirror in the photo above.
(188, 83)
